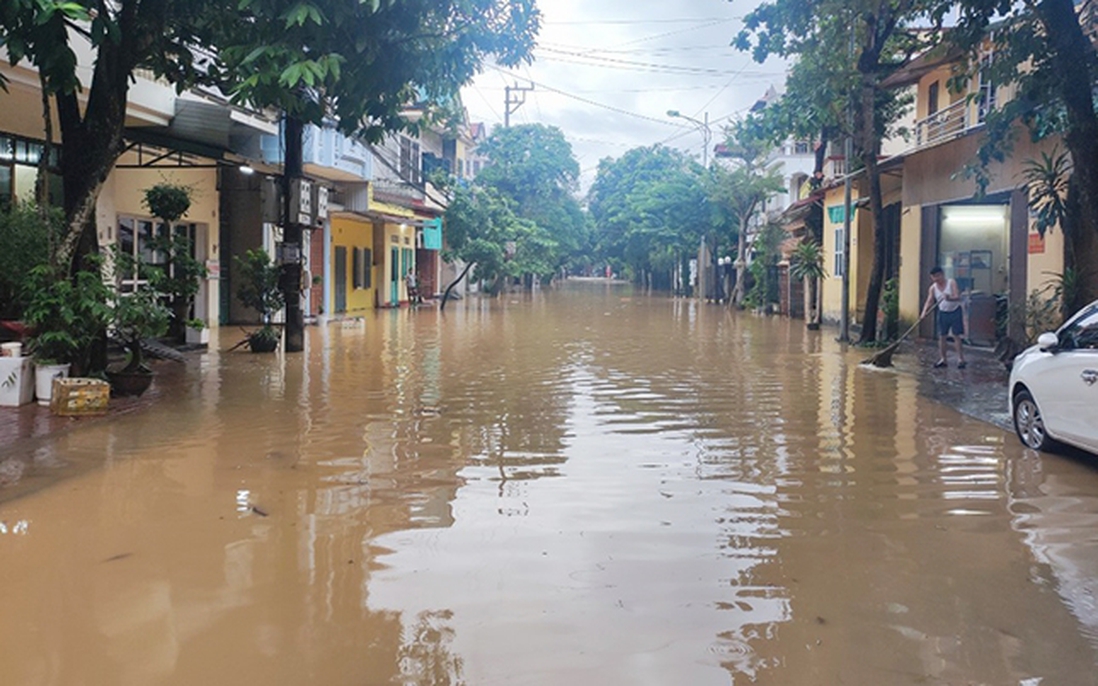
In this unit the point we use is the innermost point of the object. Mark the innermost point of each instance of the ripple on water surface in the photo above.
(575, 487)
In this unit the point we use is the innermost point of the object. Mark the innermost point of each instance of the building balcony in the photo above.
(948, 123)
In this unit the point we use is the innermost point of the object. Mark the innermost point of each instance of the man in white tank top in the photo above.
(949, 319)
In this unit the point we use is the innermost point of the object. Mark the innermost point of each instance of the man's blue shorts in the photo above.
(951, 322)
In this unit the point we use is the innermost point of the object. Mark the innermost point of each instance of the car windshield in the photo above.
(1082, 331)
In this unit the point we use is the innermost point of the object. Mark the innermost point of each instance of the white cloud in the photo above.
(607, 72)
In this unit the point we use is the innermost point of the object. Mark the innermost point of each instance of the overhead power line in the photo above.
(683, 20)
(593, 60)
(594, 103)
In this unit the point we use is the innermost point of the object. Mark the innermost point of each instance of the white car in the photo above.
(1054, 386)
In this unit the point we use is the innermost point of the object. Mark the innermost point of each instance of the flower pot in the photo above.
(44, 374)
(129, 383)
(258, 342)
(198, 336)
(16, 381)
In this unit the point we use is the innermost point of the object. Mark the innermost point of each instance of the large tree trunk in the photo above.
(1073, 59)
(92, 141)
(868, 64)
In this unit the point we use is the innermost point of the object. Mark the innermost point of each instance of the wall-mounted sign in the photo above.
(289, 253)
(301, 201)
(321, 203)
(1036, 244)
(213, 270)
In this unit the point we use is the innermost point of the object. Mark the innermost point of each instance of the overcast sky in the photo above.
(607, 71)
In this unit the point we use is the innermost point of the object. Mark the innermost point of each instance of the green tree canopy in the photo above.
(362, 62)
(650, 209)
(532, 171)
(740, 190)
(879, 36)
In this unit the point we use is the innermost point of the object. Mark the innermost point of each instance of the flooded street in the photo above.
(584, 486)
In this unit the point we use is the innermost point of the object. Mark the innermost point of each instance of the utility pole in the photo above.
(848, 154)
(291, 257)
(515, 98)
(844, 317)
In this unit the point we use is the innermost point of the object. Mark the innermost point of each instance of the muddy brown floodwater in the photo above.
(583, 486)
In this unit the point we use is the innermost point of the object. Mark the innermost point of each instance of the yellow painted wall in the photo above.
(352, 232)
(123, 193)
(861, 262)
(833, 283)
(945, 97)
(1042, 268)
(911, 245)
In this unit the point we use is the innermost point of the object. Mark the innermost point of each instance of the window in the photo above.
(136, 237)
(356, 268)
(409, 160)
(19, 169)
(837, 269)
(367, 261)
(1083, 332)
(801, 148)
(987, 89)
(932, 99)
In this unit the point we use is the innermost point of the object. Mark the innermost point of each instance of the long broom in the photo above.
(884, 357)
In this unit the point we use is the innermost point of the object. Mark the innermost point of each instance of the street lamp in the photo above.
(714, 289)
(703, 126)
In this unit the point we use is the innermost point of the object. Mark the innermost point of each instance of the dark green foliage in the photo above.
(167, 201)
(259, 289)
(807, 261)
(650, 208)
(763, 268)
(258, 285)
(25, 241)
(890, 308)
(139, 313)
(362, 63)
(1048, 187)
(66, 315)
(523, 199)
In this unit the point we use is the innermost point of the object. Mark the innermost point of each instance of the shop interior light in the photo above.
(975, 214)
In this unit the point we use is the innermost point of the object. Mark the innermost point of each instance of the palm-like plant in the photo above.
(807, 264)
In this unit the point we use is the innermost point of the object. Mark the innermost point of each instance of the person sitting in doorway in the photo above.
(949, 319)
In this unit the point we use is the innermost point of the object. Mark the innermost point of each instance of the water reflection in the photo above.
(573, 487)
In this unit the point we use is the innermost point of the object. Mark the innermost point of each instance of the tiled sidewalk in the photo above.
(20, 425)
(979, 391)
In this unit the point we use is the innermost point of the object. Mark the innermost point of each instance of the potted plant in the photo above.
(807, 264)
(259, 289)
(168, 202)
(66, 316)
(135, 316)
(26, 233)
(197, 332)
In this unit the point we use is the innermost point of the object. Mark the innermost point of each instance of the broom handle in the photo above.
(918, 322)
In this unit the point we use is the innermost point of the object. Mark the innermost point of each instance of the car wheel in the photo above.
(1028, 423)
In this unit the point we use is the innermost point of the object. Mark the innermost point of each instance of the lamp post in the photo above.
(703, 126)
(714, 289)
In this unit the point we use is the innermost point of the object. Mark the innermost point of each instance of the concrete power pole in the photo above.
(515, 98)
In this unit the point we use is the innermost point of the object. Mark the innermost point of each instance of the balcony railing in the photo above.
(946, 124)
